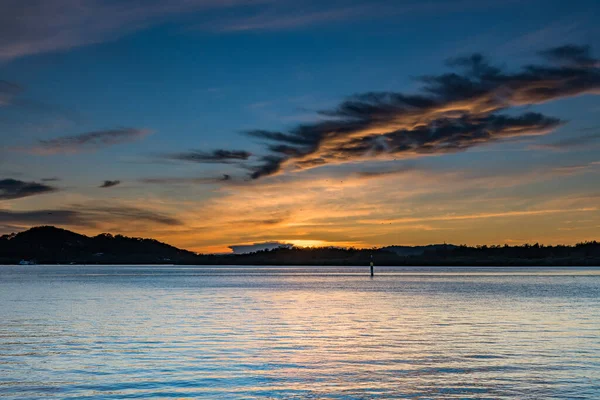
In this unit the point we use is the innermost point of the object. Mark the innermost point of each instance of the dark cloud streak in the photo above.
(380, 172)
(108, 184)
(213, 157)
(11, 189)
(88, 141)
(124, 213)
(86, 216)
(570, 54)
(186, 181)
(569, 143)
(42, 217)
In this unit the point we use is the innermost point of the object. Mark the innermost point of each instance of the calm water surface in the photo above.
(297, 333)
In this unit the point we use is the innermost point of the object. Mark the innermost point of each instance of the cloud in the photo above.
(503, 214)
(381, 172)
(108, 184)
(91, 216)
(40, 26)
(454, 112)
(251, 248)
(186, 181)
(566, 170)
(287, 15)
(120, 213)
(53, 179)
(282, 19)
(268, 221)
(568, 144)
(580, 56)
(15, 189)
(213, 157)
(28, 114)
(88, 141)
(41, 217)
(8, 90)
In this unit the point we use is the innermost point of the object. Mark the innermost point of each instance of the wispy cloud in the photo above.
(41, 217)
(30, 115)
(212, 157)
(8, 90)
(287, 15)
(386, 171)
(15, 189)
(186, 181)
(40, 26)
(87, 215)
(108, 184)
(286, 18)
(573, 169)
(504, 214)
(98, 214)
(568, 29)
(88, 141)
(577, 142)
(571, 55)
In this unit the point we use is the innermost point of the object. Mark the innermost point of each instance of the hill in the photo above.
(48, 244)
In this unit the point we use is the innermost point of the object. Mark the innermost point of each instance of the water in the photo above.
(298, 333)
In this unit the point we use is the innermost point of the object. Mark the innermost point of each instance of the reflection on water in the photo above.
(139, 332)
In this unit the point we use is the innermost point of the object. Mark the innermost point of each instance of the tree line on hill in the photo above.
(50, 245)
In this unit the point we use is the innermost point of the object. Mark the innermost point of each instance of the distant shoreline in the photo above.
(292, 265)
(55, 246)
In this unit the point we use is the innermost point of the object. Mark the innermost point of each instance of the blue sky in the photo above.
(195, 75)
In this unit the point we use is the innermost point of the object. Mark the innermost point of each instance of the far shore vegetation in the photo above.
(51, 245)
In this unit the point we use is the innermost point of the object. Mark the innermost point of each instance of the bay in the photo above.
(117, 332)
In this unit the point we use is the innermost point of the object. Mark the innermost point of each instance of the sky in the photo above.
(214, 124)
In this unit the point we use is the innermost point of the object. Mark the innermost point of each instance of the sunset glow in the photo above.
(246, 131)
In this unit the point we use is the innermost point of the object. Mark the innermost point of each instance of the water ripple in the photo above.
(299, 333)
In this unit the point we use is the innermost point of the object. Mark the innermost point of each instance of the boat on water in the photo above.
(26, 262)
